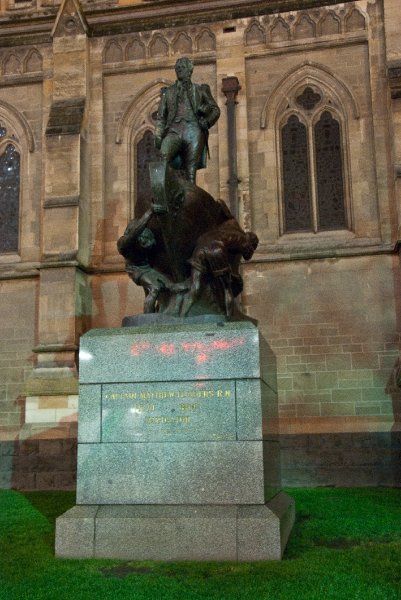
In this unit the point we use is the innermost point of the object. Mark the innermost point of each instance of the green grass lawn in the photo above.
(346, 545)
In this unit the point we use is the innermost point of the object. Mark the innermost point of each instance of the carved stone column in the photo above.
(53, 386)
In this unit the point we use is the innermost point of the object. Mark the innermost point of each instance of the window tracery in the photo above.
(312, 163)
(297, 207)
(329, 173)
(308, 99)
(10, 163)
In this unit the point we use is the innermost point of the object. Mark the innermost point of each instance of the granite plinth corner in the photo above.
(75, 532)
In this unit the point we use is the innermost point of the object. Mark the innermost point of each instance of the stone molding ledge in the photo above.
(106, 19)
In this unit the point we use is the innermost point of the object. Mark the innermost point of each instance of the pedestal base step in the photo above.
(166, 532)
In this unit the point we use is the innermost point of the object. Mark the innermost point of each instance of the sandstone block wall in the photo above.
(328, 302)
(335, 359)
(17, 326)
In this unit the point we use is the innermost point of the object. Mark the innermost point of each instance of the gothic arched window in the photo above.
(10, 167)
(296, 185)
(313, 181)
(329, 173)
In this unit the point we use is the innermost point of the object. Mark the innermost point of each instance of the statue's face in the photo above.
(183, 70)
(146, 239)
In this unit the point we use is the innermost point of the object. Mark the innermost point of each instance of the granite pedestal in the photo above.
(178, 453)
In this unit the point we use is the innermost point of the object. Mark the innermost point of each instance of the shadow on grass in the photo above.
(51, 504)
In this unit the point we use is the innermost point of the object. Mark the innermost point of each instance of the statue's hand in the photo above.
(158, 209)
(250, 246)
(203, 123)
(158, 141)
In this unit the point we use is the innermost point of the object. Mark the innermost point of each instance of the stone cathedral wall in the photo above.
(79, 86)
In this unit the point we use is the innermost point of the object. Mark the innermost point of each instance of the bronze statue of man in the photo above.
(186, 113)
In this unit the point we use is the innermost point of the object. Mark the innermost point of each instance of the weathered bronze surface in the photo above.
(185, 249)
(186, 113)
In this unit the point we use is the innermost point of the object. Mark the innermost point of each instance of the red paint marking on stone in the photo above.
(167, 349)
(139, 348)
(201, 358)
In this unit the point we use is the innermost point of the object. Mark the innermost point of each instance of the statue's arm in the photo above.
(133, 230)
(213, 112)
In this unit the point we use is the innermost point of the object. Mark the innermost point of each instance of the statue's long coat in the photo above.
(203, 105)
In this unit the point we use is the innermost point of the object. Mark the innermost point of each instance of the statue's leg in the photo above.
(195, 143)
(176, 294)
(194, 292)
(149, 304)
(174, 307)
(171, 146)
(228, 297)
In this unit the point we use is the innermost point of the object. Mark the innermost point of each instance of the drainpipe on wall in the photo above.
(230, 89)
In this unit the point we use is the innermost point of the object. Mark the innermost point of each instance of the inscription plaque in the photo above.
(183, 411)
